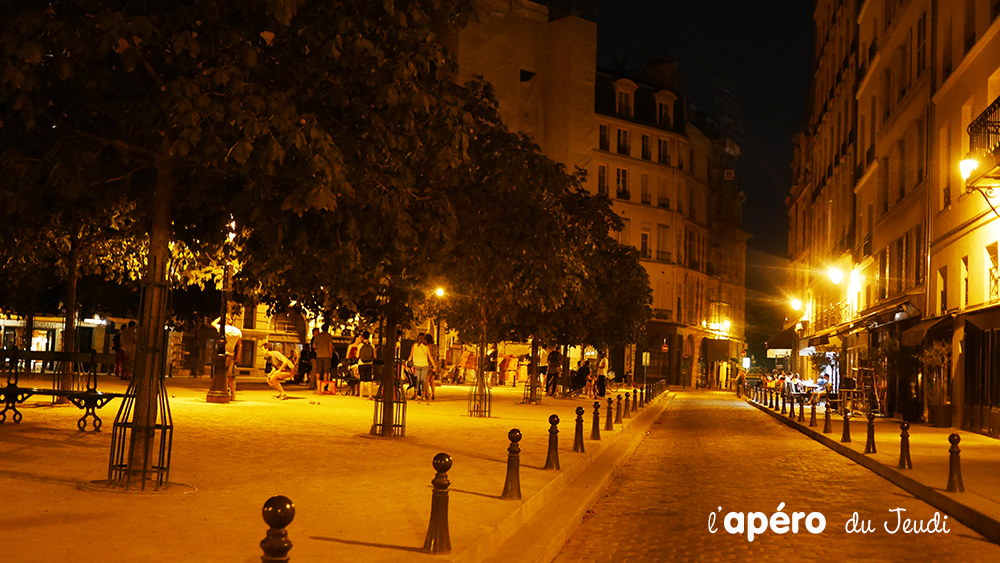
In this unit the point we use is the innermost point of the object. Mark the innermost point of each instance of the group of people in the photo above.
(589, 380)
(793, 384)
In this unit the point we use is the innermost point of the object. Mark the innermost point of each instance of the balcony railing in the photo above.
(646, 199)
(663, 202)
(646, 253)
(647, 154)
(984, 131)
(663, 256)
(605, 145)
(624, 148)
(624, 194)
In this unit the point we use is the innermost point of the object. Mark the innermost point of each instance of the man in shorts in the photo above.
(281, 369)
(322, 344)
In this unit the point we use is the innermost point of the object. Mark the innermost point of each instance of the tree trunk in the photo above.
(149, 348)
(389, 366)
(69, 332)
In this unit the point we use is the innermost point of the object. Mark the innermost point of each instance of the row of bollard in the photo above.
(768, 398)
(278, 511)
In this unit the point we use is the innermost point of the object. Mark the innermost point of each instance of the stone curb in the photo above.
(523, 522)
(981, 523)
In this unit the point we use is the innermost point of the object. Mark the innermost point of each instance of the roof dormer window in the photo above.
(625, 103)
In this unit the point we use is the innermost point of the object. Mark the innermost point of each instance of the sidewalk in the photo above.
(978, 507)
(357, 497)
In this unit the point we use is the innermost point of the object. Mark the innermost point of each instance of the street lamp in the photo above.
(836, 276)
(968, 166)
(796, 305)
(219, 391)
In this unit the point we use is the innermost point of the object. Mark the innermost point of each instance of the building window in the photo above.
(645, 189)
(621, 178)
(623, 235)
(662, 152)
(623, 147)
(625, 104)
(663, 115)
(605, 141)
(965, 282)
(922, 44)
(918, 250)
(992, 274)
(248, 353)
(943, 290)
(970, 24)
(647, 154)
(644, 249)
(663, 243)
(602, 180)
(663, 198)
(250, 316)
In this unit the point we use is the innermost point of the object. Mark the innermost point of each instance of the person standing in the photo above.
(422, 362)
(234, 339)
(366, 362)
(322, 344)
(127, 338)
(491, 364)
(432, 349)
(602, 373)
(553, 371)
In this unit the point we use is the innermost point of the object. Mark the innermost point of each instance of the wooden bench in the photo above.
(89, 399)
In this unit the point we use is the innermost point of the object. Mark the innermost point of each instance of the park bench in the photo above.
(85, 394)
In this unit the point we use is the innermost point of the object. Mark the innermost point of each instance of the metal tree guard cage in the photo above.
(532, 394)
(480, 397)
(398, 410)
(140, 432)
(131, 438)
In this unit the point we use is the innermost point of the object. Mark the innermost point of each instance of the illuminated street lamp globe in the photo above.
(439, 292)
(836, 276)
(796, 305)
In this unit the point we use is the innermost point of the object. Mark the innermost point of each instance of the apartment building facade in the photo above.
(668, 170)
(888, 245)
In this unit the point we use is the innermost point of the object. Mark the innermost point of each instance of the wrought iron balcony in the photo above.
(984, 131)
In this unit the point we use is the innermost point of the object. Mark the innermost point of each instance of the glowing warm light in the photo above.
(967, 166)
(836, 276)
(726, 324)
(439, 292)
(796, 305)
(746, 363)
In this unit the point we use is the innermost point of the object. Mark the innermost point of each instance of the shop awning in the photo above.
(914, 335)
(784, 340)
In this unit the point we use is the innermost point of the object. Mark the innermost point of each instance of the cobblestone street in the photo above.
(711, 450)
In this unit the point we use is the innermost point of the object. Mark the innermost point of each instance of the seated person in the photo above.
(821, 389)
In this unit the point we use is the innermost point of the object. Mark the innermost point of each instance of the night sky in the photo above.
(766, 45)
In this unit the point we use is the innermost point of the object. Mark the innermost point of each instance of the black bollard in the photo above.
(812, 415)
(774, 399)
(578, 435)
(827, 426)
(642, 398)
(438, 538)
(870, 441)
(595, 432)
(791, 407)
(552, 459)
(635, 400)
(955, 484)
(802, 408)
(608, 424)
(904, 446)
(846, 437)
(782, 402)
(618, 410)
(278, 513)
(626, 412)
(512, 485)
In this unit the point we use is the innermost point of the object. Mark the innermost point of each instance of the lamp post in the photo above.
(219, 391)
(645, 367)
